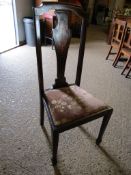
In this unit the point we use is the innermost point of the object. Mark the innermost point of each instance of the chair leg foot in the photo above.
(41, 123)
(98, 141)
(54, 161)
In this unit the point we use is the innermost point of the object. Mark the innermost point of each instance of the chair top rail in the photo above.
(120, 21)
(46, 6)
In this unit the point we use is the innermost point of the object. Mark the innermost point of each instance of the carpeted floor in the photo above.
(26, 150)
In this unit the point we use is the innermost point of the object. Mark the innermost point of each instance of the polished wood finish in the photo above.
(111, 27)
(62, 38)
(49, 21)
(117, 36)
(125, 49)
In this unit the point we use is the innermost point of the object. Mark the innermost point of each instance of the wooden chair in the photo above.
(67, 105)
(125, 49)
(117, 36)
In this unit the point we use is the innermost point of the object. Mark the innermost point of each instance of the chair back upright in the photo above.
(62, 37)
(127, 38)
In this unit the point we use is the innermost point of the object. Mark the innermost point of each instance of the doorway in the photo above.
(101, 9)
(8, 25)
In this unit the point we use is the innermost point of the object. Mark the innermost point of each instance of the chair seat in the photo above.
(126, 51)
(72, 103)
(115, 44)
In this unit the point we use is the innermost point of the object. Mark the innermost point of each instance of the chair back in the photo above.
(127, 37)
(62, 37)
(118, 32)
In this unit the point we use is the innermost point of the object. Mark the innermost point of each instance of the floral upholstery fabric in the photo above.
(70, 103)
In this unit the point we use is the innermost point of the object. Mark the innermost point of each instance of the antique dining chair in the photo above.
(117, 37)
(125, 49)
(67, 105)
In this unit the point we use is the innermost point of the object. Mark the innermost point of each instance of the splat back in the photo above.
(62, 38)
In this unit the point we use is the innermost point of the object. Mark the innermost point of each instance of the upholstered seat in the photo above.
(71, 103)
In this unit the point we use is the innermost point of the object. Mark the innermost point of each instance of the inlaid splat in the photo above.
(62, 37)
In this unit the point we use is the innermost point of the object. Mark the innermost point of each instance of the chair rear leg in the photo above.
(41, 112)
(126, 65)
(55, 140)
(116, 59)
(109, 53)
(105, 121)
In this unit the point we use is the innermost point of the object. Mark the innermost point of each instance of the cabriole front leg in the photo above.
(104, 124)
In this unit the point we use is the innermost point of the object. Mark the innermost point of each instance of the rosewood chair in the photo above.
(119, 27)
(67, 105)
(125, 49)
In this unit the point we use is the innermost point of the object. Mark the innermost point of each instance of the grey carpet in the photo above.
(24, 147)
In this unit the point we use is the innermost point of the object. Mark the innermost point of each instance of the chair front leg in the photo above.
(41, 112)
(105, 121)
(55, 140)
(109, 53)
(118, 56)
(128, 72)
(126, 65)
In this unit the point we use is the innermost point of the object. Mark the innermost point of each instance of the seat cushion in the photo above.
(72, 103)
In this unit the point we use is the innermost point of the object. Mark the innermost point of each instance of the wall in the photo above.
(23, 8)
(112, 4)
(91, 7)
(119, 3)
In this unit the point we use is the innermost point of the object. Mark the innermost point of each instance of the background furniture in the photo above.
(110, 31)
(101, 9)
(67, 105)
(118, 32)
(125, 50)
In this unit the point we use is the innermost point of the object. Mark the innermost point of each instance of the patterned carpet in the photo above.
(26, 150)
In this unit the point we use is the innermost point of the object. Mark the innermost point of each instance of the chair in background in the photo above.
(125, 49)
(117, 36)
(67, 105)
